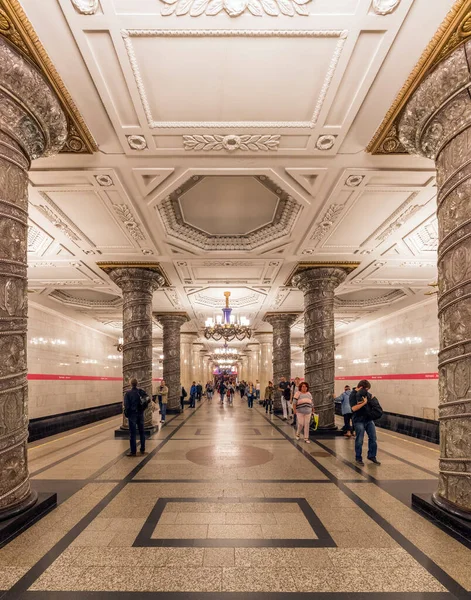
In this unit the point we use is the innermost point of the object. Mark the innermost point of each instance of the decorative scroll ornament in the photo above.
(231, 142)
(234, 8)
(385, 7)
(129, 221)
(328, 221)
(85, 7)
(104, 180)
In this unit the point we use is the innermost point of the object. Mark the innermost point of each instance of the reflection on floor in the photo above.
(226, 502)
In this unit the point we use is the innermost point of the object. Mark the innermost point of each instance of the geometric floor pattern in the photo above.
(228, 505)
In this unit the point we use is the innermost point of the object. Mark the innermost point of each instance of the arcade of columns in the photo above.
(435, 123)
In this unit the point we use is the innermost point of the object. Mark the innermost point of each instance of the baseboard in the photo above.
(422, 429)
(53, 424)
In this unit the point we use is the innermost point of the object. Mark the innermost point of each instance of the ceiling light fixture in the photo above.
(227, 327)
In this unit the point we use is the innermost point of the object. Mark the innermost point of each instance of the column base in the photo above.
(19, 522)
(174, 411)
(124, 433)
(426, 504)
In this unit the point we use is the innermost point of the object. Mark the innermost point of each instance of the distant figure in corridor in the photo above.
(199, 391)
(193, 394)
(135, 403)
(269, 391)
(347, 413)
(250, 392)
(285, 388)
(362, 422)
(222, 390)
(303, 408)
(162, 395)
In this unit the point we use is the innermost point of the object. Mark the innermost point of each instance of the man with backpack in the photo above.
(135, 403)
(285, 388)
(366, 409)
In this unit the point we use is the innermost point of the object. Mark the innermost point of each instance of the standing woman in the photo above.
(303, 408)
(250, 392)
(163, 400)
(269, 391)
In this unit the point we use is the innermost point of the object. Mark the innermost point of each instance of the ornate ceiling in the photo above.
(232, 137)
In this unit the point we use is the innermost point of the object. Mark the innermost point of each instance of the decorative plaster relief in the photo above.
(425, 238)
(104, 180)
(248, 300)
(57, 222)
(399, 222)
(328, 221)
(129, 221)
(234, 8)
(137, 142)
(385, 7)
(71, 300)
(354, 180)
(325, 142)
(85, 7)
(231, 142)
(38, 240)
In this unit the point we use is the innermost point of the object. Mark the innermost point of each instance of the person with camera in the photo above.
(366, 410)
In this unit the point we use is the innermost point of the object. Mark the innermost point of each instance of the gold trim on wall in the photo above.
(454, 31)
(17, 29)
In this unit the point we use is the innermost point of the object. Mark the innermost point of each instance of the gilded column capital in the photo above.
(286, 318)
(178, 318)
(30, 111)
(132, 276)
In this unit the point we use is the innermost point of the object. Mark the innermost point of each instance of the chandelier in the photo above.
(226, 351)
(227, 327)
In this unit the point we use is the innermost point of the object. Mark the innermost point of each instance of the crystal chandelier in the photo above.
(226, 351)
(227, 327)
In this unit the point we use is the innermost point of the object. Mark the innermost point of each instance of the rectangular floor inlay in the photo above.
(261, 525)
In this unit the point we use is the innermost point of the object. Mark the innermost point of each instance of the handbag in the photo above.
(314, 421)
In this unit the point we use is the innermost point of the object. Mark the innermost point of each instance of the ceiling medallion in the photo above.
(234, 8)
(104, 180)
(231, 142)
(86, 7)
(354, 180)
(385, 7)
(137, 142)
(227, 327)
(325, 142)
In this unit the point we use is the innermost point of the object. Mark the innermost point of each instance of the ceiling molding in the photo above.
(454, 31)
(18, 31)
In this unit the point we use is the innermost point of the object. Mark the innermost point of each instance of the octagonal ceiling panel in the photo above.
(248, 205)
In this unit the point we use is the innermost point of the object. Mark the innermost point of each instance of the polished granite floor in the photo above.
(227, 504)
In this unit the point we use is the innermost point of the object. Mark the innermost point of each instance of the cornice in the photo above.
(16, 28)
(349, 266)
(454, 31)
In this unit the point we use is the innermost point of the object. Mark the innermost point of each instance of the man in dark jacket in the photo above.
(134, 412)
(199, 391)
(193, 394)
(362, 422)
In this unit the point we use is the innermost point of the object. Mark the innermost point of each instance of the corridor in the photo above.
(228, 501)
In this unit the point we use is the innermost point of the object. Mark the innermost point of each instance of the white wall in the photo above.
(82, 345)
(415, 397)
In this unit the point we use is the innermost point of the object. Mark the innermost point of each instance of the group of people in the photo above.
(359, 408)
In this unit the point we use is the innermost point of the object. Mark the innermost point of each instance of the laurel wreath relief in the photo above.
(231, 142)
(235, 8)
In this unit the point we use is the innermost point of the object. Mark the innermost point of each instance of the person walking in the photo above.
(269, 391)
(199, 391)
(135, 403)
(362, 422)
(303, 407)
(347, 413)
(209, 391)
(222, 390)
(257, 389)
(163, 400)
(193, 394)
(250, 393)
(285, 389)
(293, 389)
(183, 395)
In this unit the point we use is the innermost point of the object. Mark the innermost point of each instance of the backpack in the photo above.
(144, 401)
(287, 393)
(184, 394)
(375, 411)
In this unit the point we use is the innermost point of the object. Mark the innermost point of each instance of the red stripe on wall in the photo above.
(388, 377)
(52, 377)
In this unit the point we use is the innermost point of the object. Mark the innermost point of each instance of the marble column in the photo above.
(436, 123)
(186, 343)
(318, 285)
(196, 369)
(137, 284)
(32, 125)
(281, 323)
(253, 355)
(171, 324)
(266, 360)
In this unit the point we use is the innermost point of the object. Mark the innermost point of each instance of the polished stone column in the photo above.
(318, 285)
(253, 354)
(186, 344)
(281, 323)
(196, 367)
(266, 360)
(137, 285)
(32, 124)
(171, 324)
(436, 123)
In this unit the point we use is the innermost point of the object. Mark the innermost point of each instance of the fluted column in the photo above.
(186, 343)
(318, 285)
(436, 123)
(171, 324)
(253, 350)
(281, 323)
(137, 284)
(32, 124)
(266, 360)
(196, 362)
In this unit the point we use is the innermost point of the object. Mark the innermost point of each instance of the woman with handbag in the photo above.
(303, 408)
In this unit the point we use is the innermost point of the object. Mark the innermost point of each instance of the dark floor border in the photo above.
(53, 424)
(46, 561)
(417, 427)
(145, 540)
(437, 572)
(236, 595)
